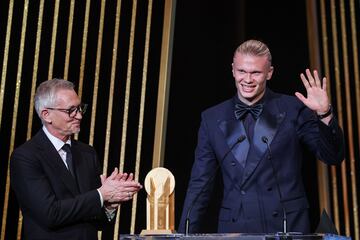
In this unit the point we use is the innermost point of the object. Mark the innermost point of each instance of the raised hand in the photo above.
(317, 98)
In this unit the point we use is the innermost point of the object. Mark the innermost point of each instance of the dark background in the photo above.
(206, 35)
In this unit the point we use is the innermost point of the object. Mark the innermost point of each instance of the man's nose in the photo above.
(78, 115)
(247, 77)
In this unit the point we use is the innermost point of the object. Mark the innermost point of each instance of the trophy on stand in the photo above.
(160, 203)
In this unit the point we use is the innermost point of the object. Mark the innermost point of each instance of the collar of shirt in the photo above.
(58, 144)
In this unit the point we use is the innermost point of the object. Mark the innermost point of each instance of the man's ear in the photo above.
(270, 72)
(45, 116)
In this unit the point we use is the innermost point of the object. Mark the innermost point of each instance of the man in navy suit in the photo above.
(256, 139)
(57, 180)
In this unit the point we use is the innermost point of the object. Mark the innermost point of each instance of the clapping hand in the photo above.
(117, 188)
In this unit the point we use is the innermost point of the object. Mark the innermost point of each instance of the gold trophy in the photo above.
(160, 203)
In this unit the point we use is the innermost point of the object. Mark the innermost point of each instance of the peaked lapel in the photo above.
(52, 158)
(267, 126)
(232, 130)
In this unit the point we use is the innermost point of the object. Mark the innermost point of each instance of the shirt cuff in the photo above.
(101, 198)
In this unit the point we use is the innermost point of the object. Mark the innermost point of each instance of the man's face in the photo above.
(58, 122)
(250, 74)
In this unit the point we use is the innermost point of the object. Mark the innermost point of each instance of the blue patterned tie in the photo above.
(241, 110)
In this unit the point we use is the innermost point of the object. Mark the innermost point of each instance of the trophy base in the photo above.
(156, 232)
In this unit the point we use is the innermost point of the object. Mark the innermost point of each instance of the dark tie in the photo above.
(69, 160)
(241, 110)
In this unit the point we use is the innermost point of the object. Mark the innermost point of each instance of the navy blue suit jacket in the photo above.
(251, 202)
(53, 204)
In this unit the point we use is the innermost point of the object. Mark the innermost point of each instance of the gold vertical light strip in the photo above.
(5, 60)
(53, 39)
(15, 113)
(348, 108)
(68, 41)
(2, 92)
(339, 107)
(112, 83)
(335, 212)
(32, 93)
(126, 102)
(315, 63)
(325, 46)
(141, 114)
(83, 49)
(83, 59)
(164, 83)
(97, 71)
(354, 42)
(97, 76)
(35, 68)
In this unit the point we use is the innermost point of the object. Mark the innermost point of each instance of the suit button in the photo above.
(243, 192)
(233, 163)
(233, 220)
(269, 189)
(275, 213)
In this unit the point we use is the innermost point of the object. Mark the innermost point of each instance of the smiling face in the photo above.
(251, 73)
(59, 123)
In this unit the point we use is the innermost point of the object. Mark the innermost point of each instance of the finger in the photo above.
(317, 79)
(130, 195)
(119, 176)
(310, 77)
(324, 85)
(133, 189)
(131, 184)
(130, 177)
(305, 81)
(300, 97)
(114, 205)
(102, 178)
(113, 174)
(124, 177)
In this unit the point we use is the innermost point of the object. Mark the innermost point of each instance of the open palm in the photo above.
(317, 98)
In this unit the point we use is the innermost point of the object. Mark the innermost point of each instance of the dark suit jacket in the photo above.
(250, 201)
(53, 205)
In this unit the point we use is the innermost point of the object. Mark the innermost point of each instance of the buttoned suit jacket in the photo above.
(55, 205)
(251, 201)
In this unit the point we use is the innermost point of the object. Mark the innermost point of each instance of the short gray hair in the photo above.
(45, 95)
(254, 48)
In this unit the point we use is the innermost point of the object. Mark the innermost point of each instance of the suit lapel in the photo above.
(52, 158)
(232, 130)
(266, 126)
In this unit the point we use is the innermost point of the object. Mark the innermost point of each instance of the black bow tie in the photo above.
(241, 110)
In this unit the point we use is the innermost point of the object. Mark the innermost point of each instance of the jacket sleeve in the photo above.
(325, 141)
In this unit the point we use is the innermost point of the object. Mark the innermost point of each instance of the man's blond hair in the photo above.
(254, 48)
